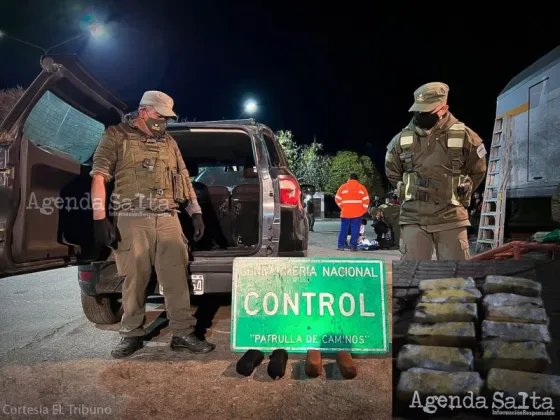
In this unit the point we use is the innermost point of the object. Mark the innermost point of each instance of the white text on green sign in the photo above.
(303, 303)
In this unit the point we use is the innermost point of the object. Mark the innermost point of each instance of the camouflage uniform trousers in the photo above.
(146, 241)
(418, 244)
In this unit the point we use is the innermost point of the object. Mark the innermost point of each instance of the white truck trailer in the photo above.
(532, 99)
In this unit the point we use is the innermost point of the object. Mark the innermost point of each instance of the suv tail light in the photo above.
(289, 191)
(85, 275)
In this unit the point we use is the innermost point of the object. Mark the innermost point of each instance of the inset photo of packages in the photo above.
(476, 338)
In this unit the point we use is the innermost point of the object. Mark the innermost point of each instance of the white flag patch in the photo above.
(481, 151)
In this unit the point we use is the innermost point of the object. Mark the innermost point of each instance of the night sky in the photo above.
(342, 72)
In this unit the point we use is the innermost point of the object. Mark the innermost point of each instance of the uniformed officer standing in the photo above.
(151, 180)
(435, 163)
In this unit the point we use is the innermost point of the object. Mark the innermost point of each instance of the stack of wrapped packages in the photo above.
(515, 334)
(439, 356)
(450, 350)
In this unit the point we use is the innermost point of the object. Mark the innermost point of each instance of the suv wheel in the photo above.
(103, 309)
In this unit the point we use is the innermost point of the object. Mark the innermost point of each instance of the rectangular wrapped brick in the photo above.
(447, 359)
(450, 283)
(446, 334)
(427, 313)
(433, 383)
(515, 332)
(516, 285)
(451, 296)
(521, 314)
(528, 356)
(510, 299)
(511, 382)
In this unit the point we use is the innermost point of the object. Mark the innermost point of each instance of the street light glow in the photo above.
(97, 30)
(250, 107)
(94, 30)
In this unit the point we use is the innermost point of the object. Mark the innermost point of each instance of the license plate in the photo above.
(198, 284)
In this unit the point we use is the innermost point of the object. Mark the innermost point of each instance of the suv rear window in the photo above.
(275, 160)
(52, 123)
(227, 176)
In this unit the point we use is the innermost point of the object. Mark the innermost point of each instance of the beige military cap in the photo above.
(429, 96)
(162, 103)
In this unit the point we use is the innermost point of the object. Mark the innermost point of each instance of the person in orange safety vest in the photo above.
(353, 200)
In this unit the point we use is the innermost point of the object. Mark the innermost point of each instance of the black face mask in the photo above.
(157, 126)
(425, 120)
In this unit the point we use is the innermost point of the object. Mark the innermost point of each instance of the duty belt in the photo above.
(149, 211)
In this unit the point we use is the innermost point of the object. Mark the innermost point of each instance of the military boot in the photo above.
(127, 347)
(192, 343)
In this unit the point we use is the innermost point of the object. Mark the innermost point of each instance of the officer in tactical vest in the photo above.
(435, 163)
(151, 182)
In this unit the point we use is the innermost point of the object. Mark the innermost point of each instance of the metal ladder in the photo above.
(493, 214)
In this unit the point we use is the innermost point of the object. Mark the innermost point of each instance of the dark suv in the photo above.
(250, 199)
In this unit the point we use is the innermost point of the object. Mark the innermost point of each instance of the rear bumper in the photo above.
(102, 278)
(294, 233)
(217, 274)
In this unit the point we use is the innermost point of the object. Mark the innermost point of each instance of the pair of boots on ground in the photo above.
(195, 342)
(189, 342)
(279, 358)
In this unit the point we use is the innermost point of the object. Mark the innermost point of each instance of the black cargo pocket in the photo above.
(123, 245)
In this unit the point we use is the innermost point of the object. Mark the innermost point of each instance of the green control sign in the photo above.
(297, 304)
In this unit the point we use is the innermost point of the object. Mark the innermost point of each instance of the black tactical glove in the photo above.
(104, 233)
(198, 226)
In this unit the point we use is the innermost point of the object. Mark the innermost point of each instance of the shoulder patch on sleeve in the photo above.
(481, 150)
